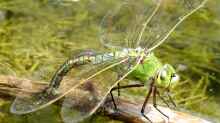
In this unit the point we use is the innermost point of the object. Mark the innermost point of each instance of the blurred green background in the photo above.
(36, 36)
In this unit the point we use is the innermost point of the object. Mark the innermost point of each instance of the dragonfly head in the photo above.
(167, 77)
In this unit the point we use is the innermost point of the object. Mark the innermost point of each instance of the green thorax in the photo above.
(147, 69)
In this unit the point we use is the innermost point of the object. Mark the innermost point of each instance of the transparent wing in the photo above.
(84, 101)
(120, 25)
(166, 19)
(144, 23)
(29, 101)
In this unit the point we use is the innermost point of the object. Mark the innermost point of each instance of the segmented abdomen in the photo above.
(81, 59)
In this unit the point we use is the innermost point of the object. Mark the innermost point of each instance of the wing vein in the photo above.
(148, 20)
(100, 103)
(176, 25)
(80, 83)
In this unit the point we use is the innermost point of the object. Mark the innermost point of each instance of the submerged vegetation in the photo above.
(38, 35)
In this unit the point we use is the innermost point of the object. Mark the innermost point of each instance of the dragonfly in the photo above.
(131, 30)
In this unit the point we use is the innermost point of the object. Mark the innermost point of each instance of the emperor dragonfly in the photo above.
(132, 42)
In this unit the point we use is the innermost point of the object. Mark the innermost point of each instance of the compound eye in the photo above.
(173, 75)
(163, 75)
(174, 78)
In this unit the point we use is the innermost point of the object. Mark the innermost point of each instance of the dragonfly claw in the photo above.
(142, 113)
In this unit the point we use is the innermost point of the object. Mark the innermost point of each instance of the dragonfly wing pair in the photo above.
(84, 88)
(144, 23)
(29, 101)
(87, 98)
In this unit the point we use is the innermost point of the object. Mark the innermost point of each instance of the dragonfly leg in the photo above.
(171, 99)
(120, 72)
(155, 102)
(119, 76)
(118, 89)
(146, 101)
(164, 101)
(113, 100)
(122, 87)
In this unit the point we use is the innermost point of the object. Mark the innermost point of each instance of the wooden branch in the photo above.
(128, 111)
